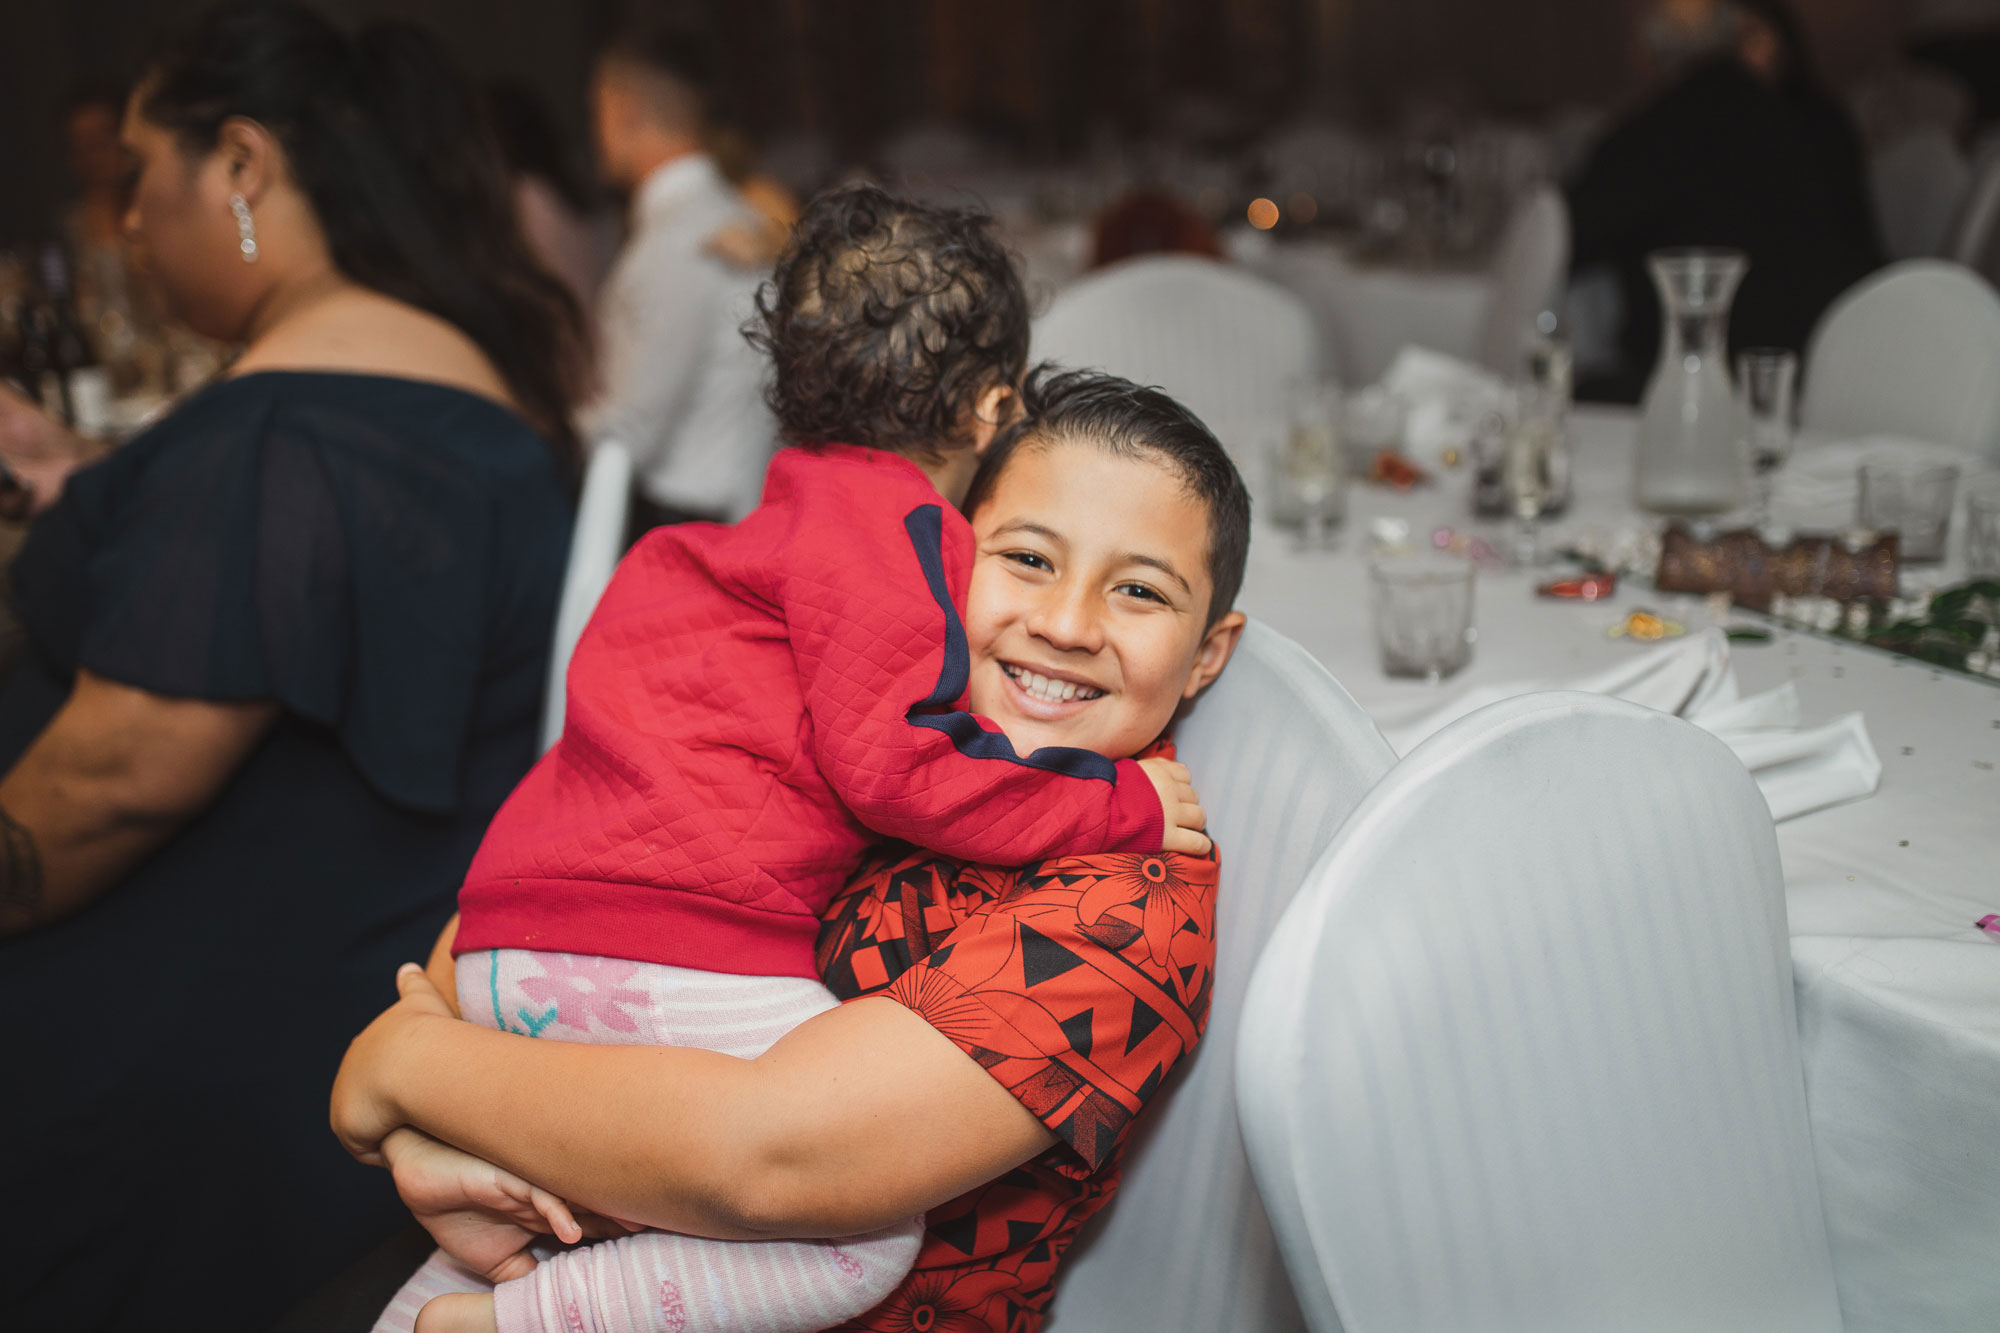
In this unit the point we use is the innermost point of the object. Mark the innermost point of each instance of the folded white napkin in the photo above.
(1797, 770)
(1445, 400)
(1817, 490)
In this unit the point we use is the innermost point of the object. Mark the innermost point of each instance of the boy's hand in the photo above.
(362, 1111)
(480, 1215)
(1179, 804)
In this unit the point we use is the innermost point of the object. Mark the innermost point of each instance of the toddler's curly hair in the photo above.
(885, 320)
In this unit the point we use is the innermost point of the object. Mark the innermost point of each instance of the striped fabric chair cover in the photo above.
(1280, 754)
(1522, 1056)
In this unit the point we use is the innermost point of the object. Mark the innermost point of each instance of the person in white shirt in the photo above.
(679, 385)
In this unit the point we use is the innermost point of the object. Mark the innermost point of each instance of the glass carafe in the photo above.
(1690, 457)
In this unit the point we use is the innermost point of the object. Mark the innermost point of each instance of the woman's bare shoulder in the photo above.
(364, 332)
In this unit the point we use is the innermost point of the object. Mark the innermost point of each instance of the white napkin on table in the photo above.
(1445, 400)
(1819, 488)
(1798, 770)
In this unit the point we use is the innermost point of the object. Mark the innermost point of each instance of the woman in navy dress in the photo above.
(286, 655)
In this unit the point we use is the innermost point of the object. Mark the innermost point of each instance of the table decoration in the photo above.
(1753, 572)
(1957, 628)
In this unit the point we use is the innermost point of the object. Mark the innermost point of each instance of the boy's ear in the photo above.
(1213, 655)
(989, 413)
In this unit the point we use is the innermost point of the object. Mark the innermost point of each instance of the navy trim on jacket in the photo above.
(925, 524)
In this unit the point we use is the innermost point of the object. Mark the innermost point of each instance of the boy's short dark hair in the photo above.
(885, 321)
(1136, 422)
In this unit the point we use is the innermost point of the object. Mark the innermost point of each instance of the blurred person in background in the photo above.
(99, 166)
(120, 310)
(557, 208)
(1740, 148)
(1151, 220)
(679, 385)
(286, 656)
(757, 242)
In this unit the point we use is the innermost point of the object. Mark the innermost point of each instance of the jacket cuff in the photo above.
(1137, 822)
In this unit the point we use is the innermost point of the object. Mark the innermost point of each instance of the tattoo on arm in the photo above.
(20, 876)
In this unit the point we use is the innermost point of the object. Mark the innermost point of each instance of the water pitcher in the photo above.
(1690, 456)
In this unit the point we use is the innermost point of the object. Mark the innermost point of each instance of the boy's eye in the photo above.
(1142, 591)
(1028, 558)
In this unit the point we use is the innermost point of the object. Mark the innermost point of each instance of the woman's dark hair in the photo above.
(1796, 76)
(391, 150)
(530, 144)
(1132, 421)
(885, 321)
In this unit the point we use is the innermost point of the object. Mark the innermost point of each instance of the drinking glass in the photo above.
(1765, 380)
(1982, 527)
(1912, 500)
(1423, 613)
(1534, 468)
(1307, 477)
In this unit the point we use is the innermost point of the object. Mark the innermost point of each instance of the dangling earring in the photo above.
(246, 228)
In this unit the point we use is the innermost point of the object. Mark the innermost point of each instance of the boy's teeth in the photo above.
(1051, 691)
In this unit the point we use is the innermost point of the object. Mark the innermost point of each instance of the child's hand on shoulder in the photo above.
(1180, 806)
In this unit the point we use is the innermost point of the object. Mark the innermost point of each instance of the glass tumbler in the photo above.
(1982, 527)
(1912, 500)
(1423, 613)
(1308, 479)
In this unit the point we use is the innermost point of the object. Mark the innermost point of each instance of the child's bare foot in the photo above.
(460, 1312)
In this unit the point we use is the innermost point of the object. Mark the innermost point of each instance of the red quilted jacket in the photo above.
(749, 707)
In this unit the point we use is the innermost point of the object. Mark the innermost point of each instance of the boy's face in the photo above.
(1088, 612)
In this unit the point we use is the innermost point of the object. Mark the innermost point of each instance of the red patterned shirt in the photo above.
(1077, 983)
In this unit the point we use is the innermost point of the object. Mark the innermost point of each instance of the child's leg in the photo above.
(661, 1280)
(439, 1276)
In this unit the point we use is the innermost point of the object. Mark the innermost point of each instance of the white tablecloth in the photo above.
(1899, 992)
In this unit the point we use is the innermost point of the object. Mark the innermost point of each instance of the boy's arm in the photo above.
(442, 968)
(883, 659)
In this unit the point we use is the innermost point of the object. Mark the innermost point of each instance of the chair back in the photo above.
(1909, 351)
(1528, 272)
(1225, 343)
(594, 550)
(1522, 1055)
(1975, 232)
(1280, 754)
(1917, 183)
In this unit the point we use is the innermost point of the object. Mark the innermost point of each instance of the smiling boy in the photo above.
(1110, 532)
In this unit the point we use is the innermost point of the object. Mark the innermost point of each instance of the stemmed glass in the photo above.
(1765, 378)
(1534, 468)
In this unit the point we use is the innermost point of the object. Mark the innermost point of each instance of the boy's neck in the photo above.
(951, 474)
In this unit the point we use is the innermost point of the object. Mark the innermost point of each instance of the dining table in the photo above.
(1897, 986)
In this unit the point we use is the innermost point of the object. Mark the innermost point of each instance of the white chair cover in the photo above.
(594, 550)
(1975, 232)
(1917, 182)
(1280, 754)
(1528, 271)
(1911, 351)
(1225, 343)
(1522, 1055)
(1320, 283)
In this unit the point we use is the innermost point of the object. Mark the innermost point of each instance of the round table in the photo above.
(1898, 991)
